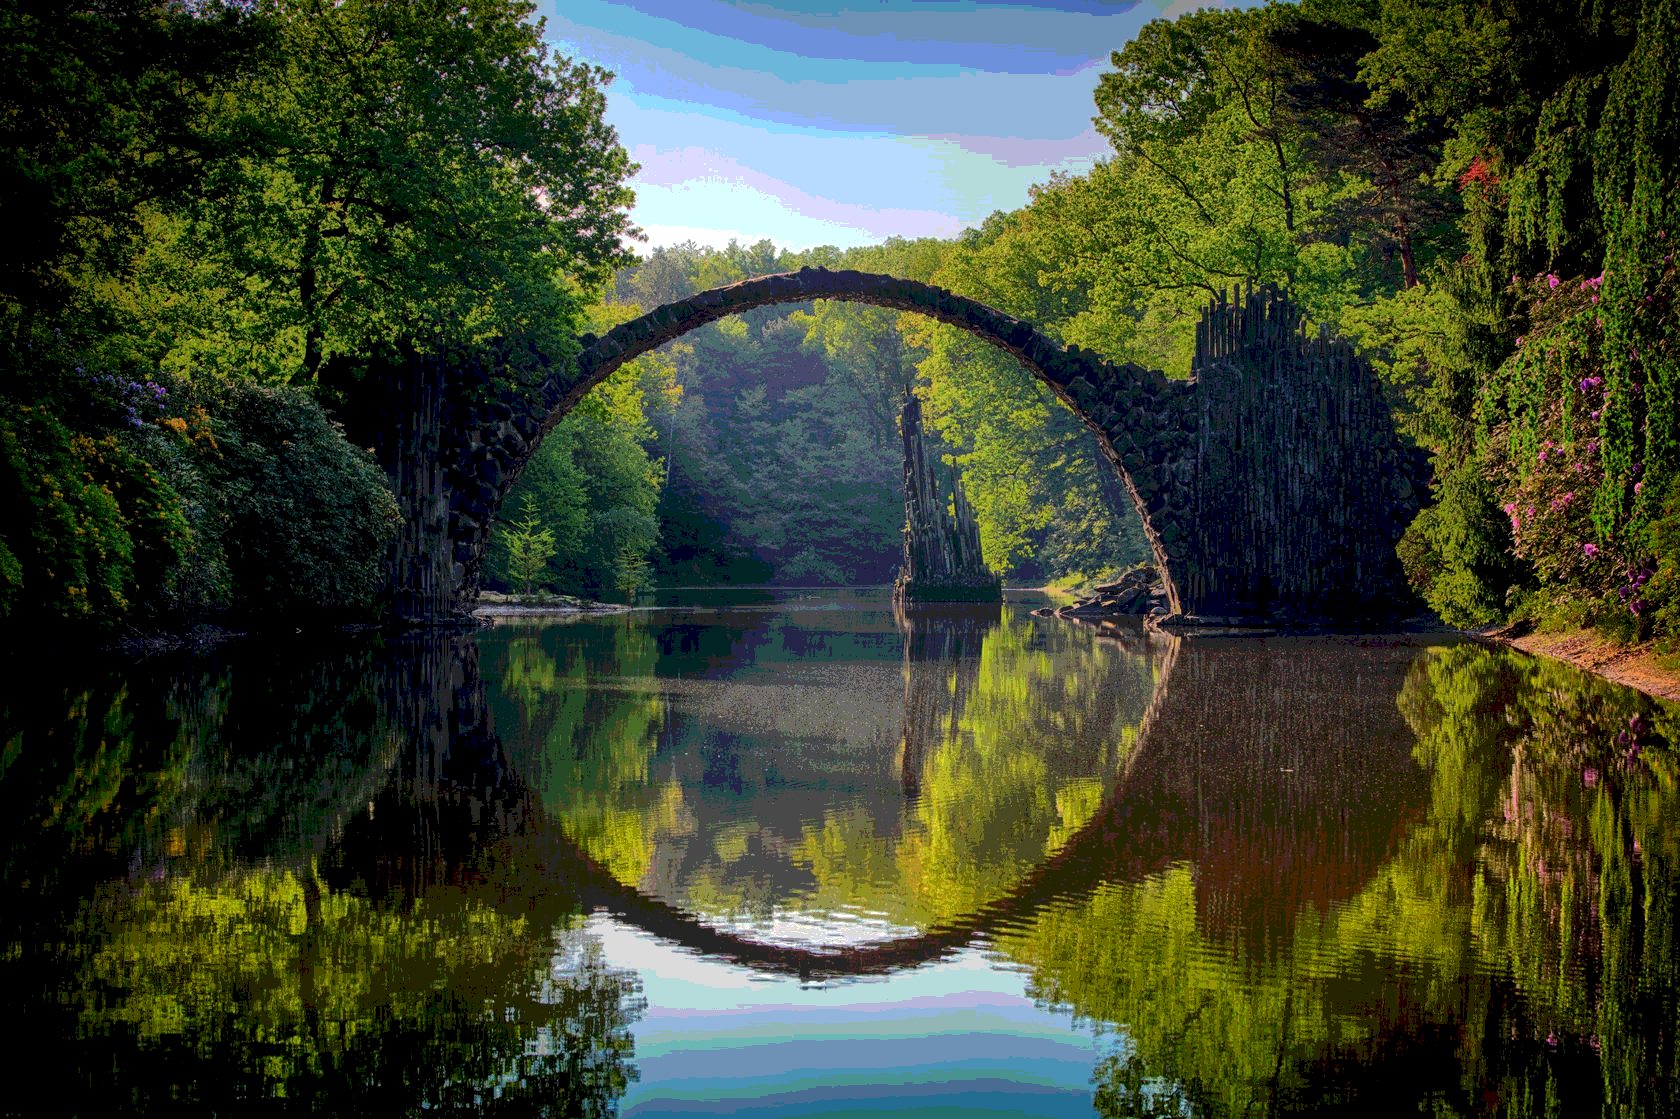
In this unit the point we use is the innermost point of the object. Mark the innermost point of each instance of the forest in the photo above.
(222, 215)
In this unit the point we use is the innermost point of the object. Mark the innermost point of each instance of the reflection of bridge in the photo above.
(1281, 791)
(1270, 484)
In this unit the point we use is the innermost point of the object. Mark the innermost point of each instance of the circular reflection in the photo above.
(825, 774)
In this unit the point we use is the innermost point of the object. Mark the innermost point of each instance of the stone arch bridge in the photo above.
(1272, 485)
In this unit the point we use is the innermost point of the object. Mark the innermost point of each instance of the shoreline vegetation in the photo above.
(1647, 666)
(1643, 666)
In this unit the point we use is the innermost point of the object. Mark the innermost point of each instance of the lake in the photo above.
(790, 853)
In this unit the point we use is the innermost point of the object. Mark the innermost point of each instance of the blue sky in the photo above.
(845, 122)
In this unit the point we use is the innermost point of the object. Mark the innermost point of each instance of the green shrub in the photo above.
(1457, 553)
(86, 526)
(306, 517)
(151, 502)
(1657, 601)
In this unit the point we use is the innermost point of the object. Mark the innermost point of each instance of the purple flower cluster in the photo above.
(1629, 592)
(128, 397)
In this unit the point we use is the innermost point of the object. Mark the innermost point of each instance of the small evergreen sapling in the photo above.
(530, 547)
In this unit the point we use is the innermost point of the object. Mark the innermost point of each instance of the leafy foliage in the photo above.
(593, 486)
(306, 516)
(781, 446)
(108, 107)
(1567, 174)
(222, 193)
(88, 525)
(429, 175)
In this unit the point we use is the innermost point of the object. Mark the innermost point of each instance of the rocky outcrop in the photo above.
(1135, 594)
(942, 561)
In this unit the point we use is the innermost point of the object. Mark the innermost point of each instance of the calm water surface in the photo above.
(776, 854)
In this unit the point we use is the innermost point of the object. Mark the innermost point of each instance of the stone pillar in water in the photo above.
(942, 561)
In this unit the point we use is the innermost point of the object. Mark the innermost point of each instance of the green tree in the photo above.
(108, 108)
(1558, 139)
(529, 547)
(429, 175)
(593, 484)
(781, 448)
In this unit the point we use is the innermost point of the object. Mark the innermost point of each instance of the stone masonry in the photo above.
(1272, 485)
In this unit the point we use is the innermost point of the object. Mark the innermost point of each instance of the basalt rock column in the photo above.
(452, 432)
(1301, 484)
(942, 561)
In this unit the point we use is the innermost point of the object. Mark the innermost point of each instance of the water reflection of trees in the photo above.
(1015, 748)
(1510, 952)
(238, 892)
(989, 753)
(315, 879)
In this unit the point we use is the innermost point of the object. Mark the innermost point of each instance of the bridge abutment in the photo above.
(1273, 484)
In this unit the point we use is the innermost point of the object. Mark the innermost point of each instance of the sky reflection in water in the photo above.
(788, 854)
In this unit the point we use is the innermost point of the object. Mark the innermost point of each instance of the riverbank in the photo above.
(492, 605)
(139, 643)
(1636, 666)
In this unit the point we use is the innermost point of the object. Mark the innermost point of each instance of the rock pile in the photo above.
(1136, 593)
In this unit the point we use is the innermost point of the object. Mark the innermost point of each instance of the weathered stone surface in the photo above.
(1271, 485)
(942, 561)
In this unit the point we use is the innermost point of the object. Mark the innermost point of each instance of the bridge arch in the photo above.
(1272, 484)
(1103, 395)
